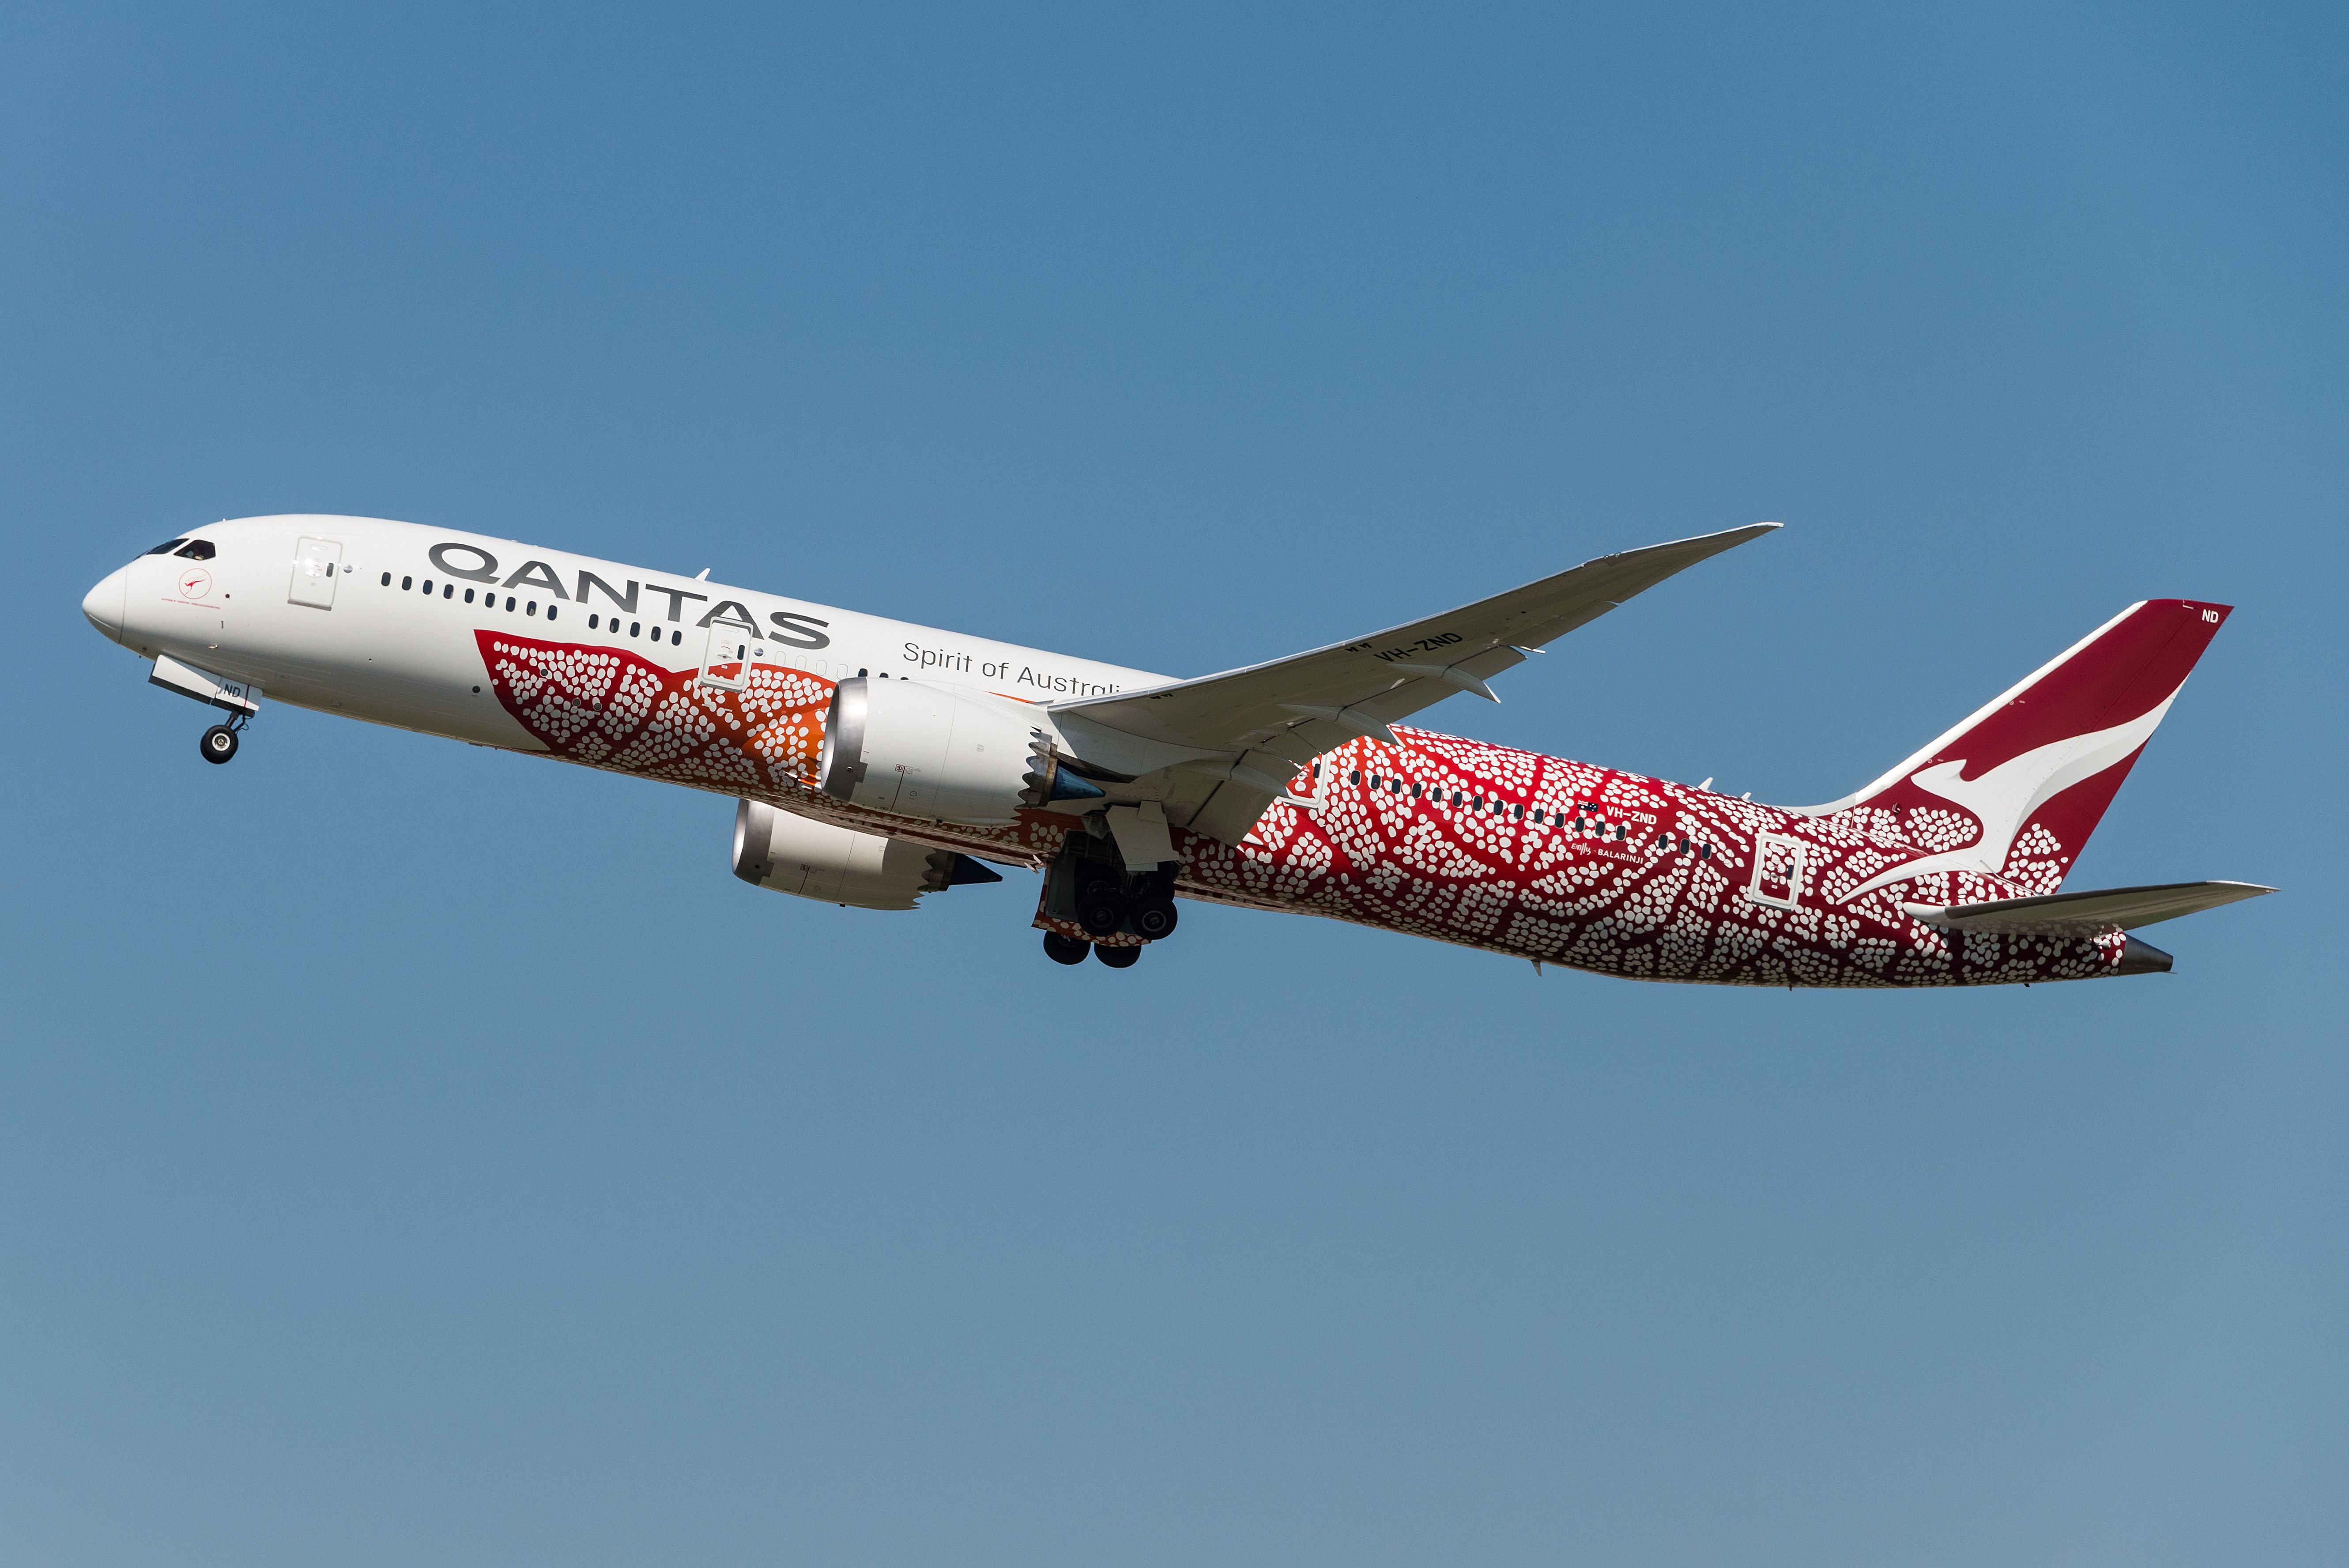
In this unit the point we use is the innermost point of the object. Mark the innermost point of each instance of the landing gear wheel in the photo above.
(219, 743)
(1101, 912)
(1118, 957)
(1063, 949)
(1153, 919)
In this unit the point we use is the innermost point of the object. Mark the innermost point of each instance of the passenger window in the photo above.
(387, 579)
(199, 550)
(634, 627)
(448, 589)
(676, 636)
(169, 545)
(594, 621)
(406, 584)
(428, 587)
(508, 601)
(468, 595)
(550, 612)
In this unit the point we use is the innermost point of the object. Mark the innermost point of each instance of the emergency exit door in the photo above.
(317, 563)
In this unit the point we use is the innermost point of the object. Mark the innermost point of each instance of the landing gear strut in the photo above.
(219, 743)
(1100, 907)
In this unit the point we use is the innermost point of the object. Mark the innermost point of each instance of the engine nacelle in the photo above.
(809, 859)
(918, 750)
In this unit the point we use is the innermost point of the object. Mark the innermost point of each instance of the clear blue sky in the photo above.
(410, 1153)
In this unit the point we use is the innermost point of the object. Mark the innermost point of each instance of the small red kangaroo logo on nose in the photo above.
(194, 584)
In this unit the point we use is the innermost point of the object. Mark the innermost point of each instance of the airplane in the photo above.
(875, 763)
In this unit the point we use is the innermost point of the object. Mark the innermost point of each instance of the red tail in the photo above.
(2016, 791)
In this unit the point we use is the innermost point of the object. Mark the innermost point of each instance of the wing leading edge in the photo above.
(1245, 732)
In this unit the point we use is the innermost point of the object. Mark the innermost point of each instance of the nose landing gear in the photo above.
(218, 742)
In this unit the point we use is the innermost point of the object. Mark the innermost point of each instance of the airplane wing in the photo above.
(1245, 732)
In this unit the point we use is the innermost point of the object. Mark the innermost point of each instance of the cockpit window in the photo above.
(198, 550)
(169, 545)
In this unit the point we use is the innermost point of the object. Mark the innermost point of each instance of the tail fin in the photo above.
(2014, 791)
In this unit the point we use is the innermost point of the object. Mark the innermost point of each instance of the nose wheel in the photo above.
(218, 742)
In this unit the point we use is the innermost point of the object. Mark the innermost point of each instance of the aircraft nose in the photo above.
(103, 603)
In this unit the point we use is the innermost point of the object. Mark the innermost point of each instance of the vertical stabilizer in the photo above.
(2014, 791)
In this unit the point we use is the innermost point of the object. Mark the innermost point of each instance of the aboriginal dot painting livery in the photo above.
(875, 763)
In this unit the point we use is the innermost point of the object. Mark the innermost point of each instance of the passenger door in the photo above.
(317, 563)
(731, 651)
(1778, 871)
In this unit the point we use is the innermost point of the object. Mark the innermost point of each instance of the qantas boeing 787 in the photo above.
(875, 763)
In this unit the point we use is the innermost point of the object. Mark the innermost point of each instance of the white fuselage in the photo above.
(383, 651)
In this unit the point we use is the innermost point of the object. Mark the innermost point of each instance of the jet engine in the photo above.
(809, 859)
(919, 750)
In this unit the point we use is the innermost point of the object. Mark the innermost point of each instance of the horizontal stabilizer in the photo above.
(2084, 913)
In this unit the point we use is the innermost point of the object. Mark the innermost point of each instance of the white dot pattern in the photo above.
(1508, 851)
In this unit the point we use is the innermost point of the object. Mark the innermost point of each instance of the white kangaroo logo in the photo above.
(2003, 799)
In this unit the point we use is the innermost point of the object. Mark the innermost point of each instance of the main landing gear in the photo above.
(1110, 900)
(219, 743)
(1063, 949)
(1090, 887)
